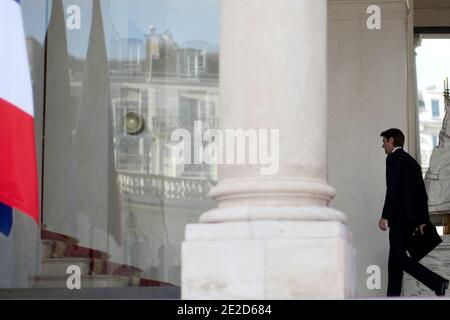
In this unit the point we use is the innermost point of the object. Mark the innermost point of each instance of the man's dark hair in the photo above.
(396, 134)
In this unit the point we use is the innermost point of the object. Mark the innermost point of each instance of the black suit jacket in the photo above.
(406, 202)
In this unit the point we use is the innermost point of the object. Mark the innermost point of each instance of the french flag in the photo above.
(18, 167)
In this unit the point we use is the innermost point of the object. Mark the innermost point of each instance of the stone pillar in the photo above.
(272, 236)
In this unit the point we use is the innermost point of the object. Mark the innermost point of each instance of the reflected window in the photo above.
(435, 140)
(435, 108)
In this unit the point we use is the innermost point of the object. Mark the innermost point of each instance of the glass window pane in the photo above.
(118, 80)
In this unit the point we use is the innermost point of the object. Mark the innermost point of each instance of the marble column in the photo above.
(272, 236)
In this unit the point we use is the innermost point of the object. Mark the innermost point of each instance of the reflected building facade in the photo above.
(157, 87)
(166, 87)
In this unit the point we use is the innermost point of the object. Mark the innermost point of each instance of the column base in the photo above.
(268, 260)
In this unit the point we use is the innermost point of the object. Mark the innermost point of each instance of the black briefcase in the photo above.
(419, 245)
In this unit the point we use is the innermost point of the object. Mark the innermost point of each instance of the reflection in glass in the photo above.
(20, 250)
(115, 94)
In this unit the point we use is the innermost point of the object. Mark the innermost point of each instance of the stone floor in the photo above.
(135, 293)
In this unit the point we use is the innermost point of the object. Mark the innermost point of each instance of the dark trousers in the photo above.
(399, 261)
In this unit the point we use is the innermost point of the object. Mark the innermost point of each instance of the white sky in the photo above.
(433, 63)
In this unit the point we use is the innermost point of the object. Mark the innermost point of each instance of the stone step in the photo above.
(118, 269)
(59, 251)
(46, 249)
(153, 283)
(75, 250)
(58, 267)
(52, 248)
(166, 293)
(98, 281)
(51, 235)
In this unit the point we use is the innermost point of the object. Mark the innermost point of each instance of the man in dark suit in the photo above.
(405, 209)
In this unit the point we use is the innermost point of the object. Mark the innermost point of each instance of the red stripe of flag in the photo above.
(18, 167)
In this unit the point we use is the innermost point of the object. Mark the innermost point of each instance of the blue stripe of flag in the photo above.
(6, 219)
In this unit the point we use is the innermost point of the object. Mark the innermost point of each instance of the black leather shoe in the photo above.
(440, 291)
